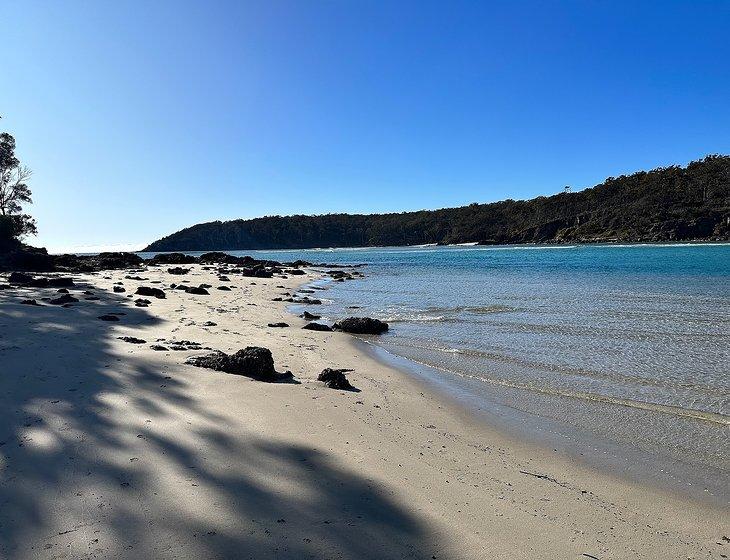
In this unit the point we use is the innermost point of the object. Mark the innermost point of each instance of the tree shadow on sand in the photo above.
(84, 472)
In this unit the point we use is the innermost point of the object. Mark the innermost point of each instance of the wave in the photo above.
(474, 309)
(416, 318)
(705, 416)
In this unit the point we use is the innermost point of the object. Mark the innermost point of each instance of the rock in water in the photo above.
(336, 379)
(361, 325)
(316, 327)
(29, 302)
(118, 290)
(153, 292)
(252, 361)
(310, 316)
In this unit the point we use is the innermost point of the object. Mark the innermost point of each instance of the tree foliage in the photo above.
(14, 192)
(665, 204)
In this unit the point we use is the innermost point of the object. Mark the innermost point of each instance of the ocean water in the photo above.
(626, 345)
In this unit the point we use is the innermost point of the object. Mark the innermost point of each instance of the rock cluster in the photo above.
(253, 361)
(336, 379)
(317, 327)
(151, 292)
(361, 325)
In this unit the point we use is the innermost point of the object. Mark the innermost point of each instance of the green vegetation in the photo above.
(13, 193)
(666, 204)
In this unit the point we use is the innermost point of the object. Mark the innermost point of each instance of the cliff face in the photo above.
(665, 204)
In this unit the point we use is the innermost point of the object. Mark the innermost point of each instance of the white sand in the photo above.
(114, 450)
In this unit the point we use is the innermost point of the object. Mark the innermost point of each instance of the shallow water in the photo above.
(630, 343)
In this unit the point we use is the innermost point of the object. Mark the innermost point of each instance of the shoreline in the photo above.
(468, 245)
(633, 465)
(113, 449)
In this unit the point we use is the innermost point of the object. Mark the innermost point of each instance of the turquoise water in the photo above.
(627, 343)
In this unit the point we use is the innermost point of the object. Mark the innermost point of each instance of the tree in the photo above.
(14, 192)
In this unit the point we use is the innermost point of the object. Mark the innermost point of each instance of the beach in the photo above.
(112, 449)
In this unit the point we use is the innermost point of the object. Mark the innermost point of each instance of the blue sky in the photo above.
(141, 118)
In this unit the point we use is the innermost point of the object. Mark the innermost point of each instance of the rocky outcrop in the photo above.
(198, 290)
(178, 270)
(63, 299)
(132, 339)
(22, 279)
(317, 327)
(361, 325)
(150, 292)
(108, 317)
(336, 379)
(172, 258)
(253, 361)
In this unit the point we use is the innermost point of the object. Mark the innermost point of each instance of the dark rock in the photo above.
(118, 290)
(310, 316)
(197, 290)
(279, 325)
(62, 291)
(113, 261)
(307, 301)
(60, 281)
(172, 258)
(252, 361)
(29, 302)
(224, 288)
(65, 298)
(132, 339)
(361, 325)
(178, 270)
(295, 272)
(22, 279)
(19, 278)
(210, 324)
(24, 257)
(159, 348)
(317, 327)
(153, 292)
(108, 317)
(336, 379)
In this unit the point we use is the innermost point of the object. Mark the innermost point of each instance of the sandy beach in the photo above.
(112, 449)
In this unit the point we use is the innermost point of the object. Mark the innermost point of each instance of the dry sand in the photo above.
(113, 450)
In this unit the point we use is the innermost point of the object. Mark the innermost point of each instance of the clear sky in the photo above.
(141, 118)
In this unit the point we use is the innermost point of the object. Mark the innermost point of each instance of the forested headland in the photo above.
(665, 204)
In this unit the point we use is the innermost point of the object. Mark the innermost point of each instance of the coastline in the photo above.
(118, 450)
(665, 474)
